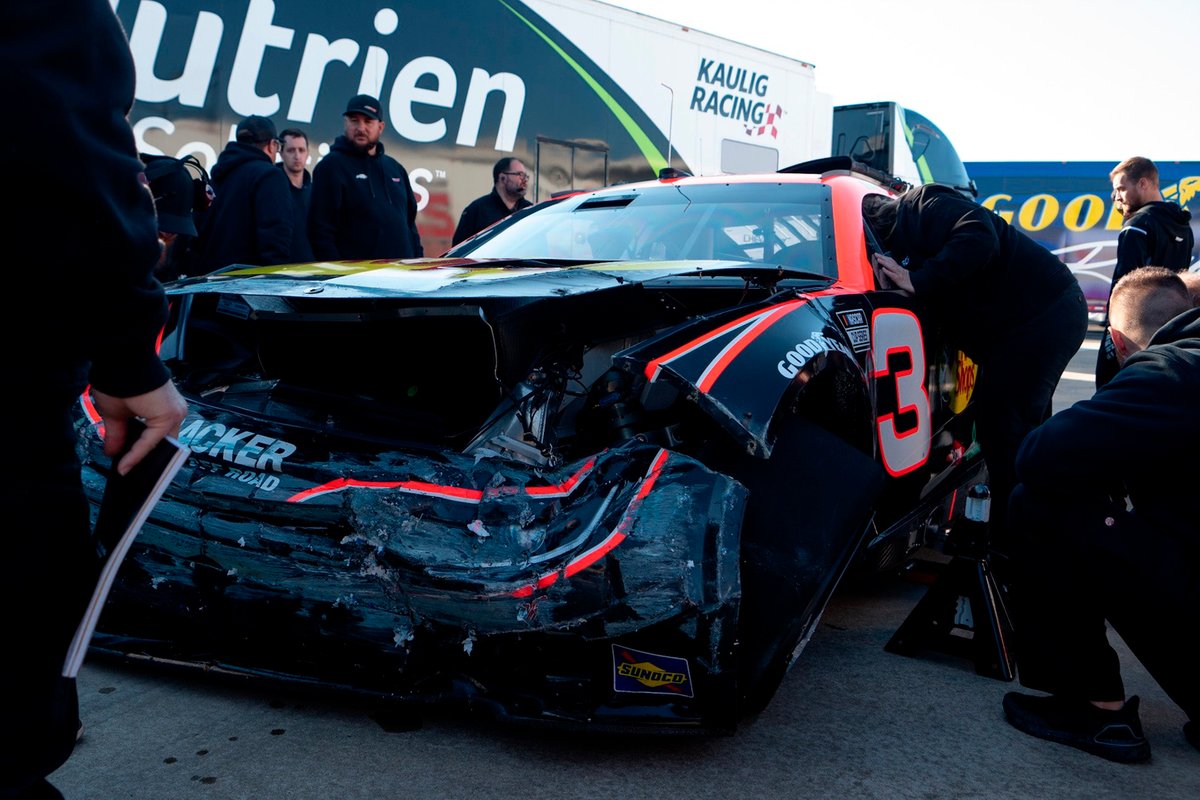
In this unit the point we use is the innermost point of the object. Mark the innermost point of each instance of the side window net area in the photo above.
(788, 225)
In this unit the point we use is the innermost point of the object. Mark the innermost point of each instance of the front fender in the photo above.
(739, 371)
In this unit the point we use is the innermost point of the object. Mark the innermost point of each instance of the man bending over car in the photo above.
(1002, 298)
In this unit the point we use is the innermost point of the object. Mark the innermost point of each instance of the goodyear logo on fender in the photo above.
(816, 344)
(650, 673)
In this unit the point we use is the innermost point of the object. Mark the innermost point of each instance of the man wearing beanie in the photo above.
(362, 204)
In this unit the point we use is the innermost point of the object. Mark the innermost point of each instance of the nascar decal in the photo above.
(638, 672)
(457, 494)
(731, 339)
(614, 538)
(854, 322)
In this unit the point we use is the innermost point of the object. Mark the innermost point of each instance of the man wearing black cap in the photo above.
(175, 189)
(250, 221)
(362, 204)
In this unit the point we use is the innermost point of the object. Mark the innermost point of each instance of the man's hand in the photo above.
(162, 410)
(890, 275)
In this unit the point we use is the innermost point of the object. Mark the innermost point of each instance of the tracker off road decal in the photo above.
(637, 672)
(254, 451)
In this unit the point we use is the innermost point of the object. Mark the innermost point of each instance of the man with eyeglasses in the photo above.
(250, 220)
(509, 180)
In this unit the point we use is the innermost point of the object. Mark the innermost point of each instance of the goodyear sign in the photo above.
(1067, 207)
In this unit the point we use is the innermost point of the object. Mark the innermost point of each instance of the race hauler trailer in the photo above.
(584, 93)
(1067, 206)
(898, 141)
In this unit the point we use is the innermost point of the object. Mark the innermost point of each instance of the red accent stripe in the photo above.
(653, 367)
(566, 487)
(741, 341)
(412, 487)
(89, 407)
(617, 536)
(455, 493)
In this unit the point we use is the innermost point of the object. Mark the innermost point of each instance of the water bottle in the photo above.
(979, 503)
(970, 534)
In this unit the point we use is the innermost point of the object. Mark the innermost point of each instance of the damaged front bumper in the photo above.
(606, 592)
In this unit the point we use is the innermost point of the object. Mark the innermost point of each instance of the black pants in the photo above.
(1081, 559)
(47, 572)
(1017, 378)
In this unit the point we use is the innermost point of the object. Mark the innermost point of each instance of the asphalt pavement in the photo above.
(851, 720)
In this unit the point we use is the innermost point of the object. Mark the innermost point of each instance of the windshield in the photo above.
(783, 224)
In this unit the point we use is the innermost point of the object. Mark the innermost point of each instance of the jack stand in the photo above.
(963, 612)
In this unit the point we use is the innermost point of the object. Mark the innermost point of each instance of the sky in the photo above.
(1006, 80)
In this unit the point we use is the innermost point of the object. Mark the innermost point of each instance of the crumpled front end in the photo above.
(605, 592)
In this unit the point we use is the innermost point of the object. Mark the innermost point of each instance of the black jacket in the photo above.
(1131, 434)
(107, 309)
(1158, 234)
(301, 249)
(484, 212)
(250, 220)
(362, 206)
(977, 274)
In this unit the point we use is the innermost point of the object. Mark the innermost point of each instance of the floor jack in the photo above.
(963, 611)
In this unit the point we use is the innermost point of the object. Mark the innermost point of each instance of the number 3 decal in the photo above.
(897, 331)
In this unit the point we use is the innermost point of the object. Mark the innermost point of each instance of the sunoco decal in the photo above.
(636, 672)
(855, 324)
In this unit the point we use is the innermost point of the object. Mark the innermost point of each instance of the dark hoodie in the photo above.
(1158, 234)
(362, 206)
(1131, 434)
(974, 272)
(301, 249)
(250, 220)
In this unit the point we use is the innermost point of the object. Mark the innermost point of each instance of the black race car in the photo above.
(602, 464)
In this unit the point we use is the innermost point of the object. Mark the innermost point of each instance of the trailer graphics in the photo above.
(541, 80)
(1067, 206)
(585, 94)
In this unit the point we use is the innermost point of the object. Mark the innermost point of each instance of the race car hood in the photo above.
(452, 278)
(691, 347)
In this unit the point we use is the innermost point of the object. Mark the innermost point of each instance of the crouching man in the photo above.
(1108, 528)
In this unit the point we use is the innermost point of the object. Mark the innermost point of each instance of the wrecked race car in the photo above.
(602, 464)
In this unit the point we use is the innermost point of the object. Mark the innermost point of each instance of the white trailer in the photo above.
(585, 93)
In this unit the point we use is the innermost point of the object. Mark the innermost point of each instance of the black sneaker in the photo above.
(1191, 732)
(1115, 735)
